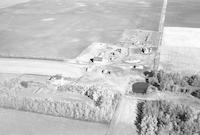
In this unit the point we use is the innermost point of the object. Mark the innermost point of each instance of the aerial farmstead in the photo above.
(91, 67)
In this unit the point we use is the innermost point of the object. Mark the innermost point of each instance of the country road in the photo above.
(124, 118)
(40, 67)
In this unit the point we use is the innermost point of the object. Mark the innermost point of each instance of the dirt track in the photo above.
(124, 118)
(40, 67)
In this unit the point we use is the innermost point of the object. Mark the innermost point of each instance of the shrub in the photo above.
(196, 93)
(105, 101)
(24, 84)
(175, 82)
(68, 109)
(157, 117)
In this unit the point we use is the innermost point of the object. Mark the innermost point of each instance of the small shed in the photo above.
(96, 59)
(140, 87)
(146, 50)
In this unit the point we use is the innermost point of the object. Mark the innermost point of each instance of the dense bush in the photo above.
(68, 109)
(105, 101)
(102, 97)
(164, 118)
(175, 82)
(196, 93)
(24, 84)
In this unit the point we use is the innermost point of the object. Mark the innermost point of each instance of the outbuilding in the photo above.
(145, 50)
(96, 60)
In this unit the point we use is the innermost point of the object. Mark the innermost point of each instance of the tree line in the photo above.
(175, 82)
(166, 118)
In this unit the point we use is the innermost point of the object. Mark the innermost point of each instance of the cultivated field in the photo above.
(183, 13)
(63, 29)
(180, 50)
(22, 123)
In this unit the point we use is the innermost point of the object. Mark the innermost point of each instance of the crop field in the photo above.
(23, 123)
(66, 28)
(183, 13)
(180, 50)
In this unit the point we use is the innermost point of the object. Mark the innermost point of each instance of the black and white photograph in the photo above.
(99, 67)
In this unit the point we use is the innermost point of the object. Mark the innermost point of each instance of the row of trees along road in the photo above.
(166, 118)
(175, 82)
